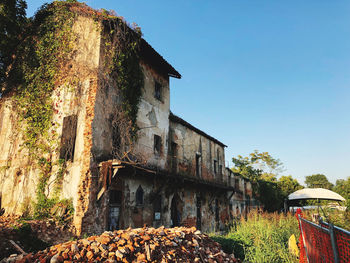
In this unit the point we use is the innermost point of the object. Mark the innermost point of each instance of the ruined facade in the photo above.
(179, 175)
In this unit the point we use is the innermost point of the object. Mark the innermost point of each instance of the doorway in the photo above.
(115, 200)
(175, 214)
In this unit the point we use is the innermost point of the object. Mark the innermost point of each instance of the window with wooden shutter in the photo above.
(69, 132)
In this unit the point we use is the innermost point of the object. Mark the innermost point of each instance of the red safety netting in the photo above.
(302, 255)
(343, 243)
(317, 241)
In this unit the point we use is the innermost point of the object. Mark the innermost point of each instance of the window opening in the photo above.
(157, 90)
(69, 131)
(157, 144)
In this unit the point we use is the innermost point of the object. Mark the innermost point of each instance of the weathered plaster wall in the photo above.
(104, 103)
(19, 180)
(189, 143)
(153, 119)
(94, 102)
(138, 215)
(17, 177)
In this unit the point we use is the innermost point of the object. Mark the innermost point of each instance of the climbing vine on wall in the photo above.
(40, 59)
(43, 53)
(38, 69)
(128, 73)
(122, 46)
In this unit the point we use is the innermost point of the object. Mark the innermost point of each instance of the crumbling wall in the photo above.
(189, 144)
(19, 174)
(153, 118)
(17, 177)
(135, 214)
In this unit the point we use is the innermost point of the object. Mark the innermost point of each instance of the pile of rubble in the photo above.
(177, 244)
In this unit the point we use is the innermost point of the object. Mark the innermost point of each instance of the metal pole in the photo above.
(302, 234)
(334, 243)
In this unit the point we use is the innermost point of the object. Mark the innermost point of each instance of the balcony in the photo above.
(195, 168)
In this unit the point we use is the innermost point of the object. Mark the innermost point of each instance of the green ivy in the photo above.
(43, 53)
(129, 76)
(46, 48)
(124, 66)
(41, 56)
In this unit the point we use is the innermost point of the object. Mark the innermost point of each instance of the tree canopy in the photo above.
(318, 180)
(257, 165)
(262, 169)
(12, 21)
(342, 187)
(288, 185)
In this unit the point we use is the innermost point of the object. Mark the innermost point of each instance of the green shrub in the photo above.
(232, 244)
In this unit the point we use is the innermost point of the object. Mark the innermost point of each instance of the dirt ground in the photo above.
(30, 235)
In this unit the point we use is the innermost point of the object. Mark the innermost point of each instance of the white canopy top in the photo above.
(315, 193)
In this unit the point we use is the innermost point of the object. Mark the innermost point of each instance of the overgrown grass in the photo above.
(334, 216)
(261, 238)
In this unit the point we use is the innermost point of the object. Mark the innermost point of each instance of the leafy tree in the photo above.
(342, 187)
(318, 180)
(262, 169)
(269, 194)
(12, 21)
(257, 166)
(288, 185)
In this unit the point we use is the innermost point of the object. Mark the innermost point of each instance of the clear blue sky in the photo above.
(267, 75)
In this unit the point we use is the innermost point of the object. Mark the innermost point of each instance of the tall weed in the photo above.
(261, 238)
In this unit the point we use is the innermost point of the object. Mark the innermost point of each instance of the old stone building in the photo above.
(172, 173)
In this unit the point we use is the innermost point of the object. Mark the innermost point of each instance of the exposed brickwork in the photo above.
(86, 191)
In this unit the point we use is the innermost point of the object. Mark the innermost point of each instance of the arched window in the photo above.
(139, 196)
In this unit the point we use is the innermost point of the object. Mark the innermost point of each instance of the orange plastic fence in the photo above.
(316, 243)
(302, 255)
(342, 238)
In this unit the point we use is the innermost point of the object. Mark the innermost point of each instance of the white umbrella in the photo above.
(315, 193)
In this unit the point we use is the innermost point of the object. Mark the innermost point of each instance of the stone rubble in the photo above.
(179, 244)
